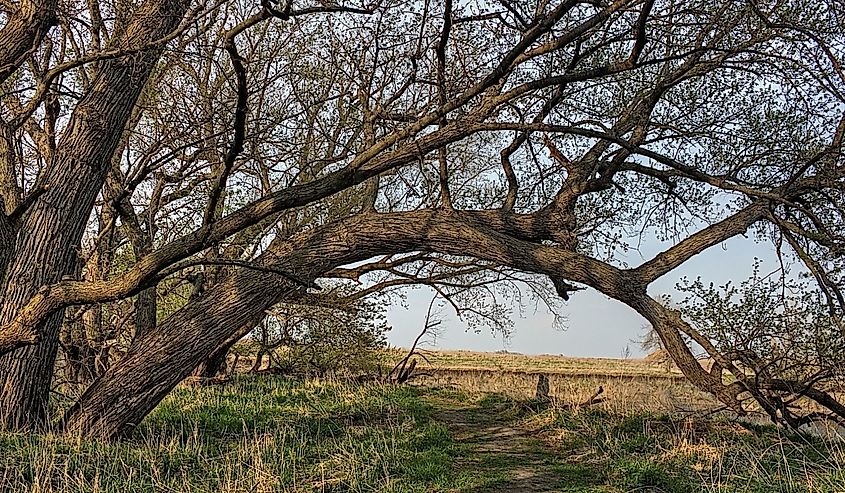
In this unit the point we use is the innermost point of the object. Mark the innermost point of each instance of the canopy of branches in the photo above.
(237, 155)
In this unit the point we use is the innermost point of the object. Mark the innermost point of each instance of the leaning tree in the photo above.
(498, 138)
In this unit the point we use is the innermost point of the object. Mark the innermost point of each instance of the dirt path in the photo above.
(512, 459)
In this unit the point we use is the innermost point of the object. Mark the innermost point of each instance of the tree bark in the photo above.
(51, 230)
(23, 33)
(146, 308)
(10, 197)
(10, 192)
(160, 359)
(259, 359)
(669, 325)
(215, 363)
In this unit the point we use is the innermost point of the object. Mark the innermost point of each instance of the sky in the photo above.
(596, 326)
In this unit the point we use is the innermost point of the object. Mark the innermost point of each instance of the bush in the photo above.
(336, 338)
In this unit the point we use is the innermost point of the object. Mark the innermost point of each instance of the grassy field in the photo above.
(267, 434)
(643, 384)
(546, 363)
(256, 434)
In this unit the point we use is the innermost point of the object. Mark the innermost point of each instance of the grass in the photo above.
(593, 450)
(254, 435)
(644, 451)
(547, 363)
(646, 382)
(263, 434)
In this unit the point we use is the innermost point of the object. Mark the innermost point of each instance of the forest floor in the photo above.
(272, 434)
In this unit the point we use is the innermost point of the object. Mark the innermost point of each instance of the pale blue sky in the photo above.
(596, 325)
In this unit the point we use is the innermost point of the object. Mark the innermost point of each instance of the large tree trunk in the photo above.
(160, 359)
(669, 325)
(52, 229)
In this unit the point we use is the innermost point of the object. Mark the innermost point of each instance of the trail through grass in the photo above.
(506, 457)
(269, 434)
(523, 446)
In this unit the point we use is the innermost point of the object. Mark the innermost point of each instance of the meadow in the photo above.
(548, 363)
(277, 434)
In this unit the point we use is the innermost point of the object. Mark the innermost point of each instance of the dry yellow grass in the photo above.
(546, 363)
(628, 384)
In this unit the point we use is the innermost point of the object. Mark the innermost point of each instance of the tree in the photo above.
(777, 330)
(540, 137)
(44, 227)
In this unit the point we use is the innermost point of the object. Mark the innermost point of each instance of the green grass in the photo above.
(256, 435)
(262, 434)
(651, 452)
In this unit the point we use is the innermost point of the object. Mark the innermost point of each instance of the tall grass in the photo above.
(270, 434)
(255, 435)
(645, 451)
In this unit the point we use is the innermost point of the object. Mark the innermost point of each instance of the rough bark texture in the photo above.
(10, 197)
(38, 246)
(215, 363)
(52, 229)
(118, 401)
(145, 311)
(10, 192)
(23, 33)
